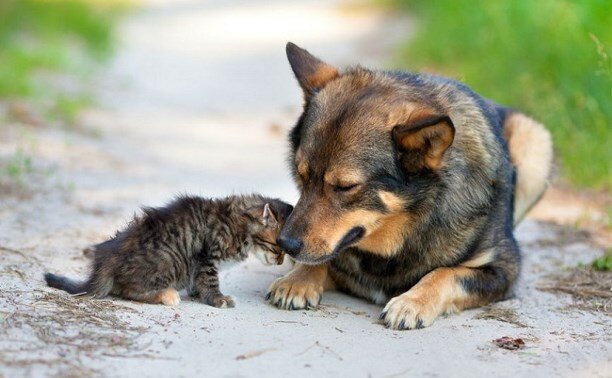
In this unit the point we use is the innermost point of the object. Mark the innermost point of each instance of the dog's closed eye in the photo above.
(343, 188)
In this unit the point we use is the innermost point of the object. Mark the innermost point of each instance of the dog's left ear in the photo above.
(422, 141)
(311, 72)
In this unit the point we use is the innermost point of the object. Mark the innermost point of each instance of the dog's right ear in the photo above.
(312, 73)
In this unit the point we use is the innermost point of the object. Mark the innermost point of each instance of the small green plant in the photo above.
(603, 263)
(18, 165)
(67, 108)
(15, 168)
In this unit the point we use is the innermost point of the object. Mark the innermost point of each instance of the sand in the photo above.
(199, 99)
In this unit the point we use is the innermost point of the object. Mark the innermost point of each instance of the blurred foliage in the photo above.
(47, 49)
(549, 58)
(50, 35)
(603, 263)
(18, 164)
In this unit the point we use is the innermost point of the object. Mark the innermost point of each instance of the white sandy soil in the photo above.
(198, 100)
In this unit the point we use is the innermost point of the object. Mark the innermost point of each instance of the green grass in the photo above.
(603, 263)
(49, 36)
(19, 164)
(67, 108)
(41, 40)
(16, 169)
(549, 58)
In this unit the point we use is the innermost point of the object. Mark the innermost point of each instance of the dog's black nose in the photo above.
(290, 245)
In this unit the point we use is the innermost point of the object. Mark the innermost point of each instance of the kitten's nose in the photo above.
(290, 245)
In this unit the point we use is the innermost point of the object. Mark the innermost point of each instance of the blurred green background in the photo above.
(48, 49)
(549, 58)
(39, 37)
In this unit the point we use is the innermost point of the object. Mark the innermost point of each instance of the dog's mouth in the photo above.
(351, 237)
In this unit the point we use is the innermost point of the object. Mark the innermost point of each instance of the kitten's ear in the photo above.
(267, 218)
(263, 214)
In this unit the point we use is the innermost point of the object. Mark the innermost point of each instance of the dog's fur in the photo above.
(410, 186)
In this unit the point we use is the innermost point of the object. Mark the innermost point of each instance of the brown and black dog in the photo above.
(410, 187)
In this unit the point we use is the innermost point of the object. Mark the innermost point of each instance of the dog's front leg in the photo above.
(301, 288)
(445, 290)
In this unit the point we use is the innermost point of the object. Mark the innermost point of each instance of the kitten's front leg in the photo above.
(207, 285)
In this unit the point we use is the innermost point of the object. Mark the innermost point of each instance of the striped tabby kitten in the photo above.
(180, 246)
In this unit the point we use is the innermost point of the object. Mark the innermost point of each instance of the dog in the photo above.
(410, 187)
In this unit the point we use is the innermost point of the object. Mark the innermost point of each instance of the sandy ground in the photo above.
(198, 100)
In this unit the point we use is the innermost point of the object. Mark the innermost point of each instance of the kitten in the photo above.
(180, 246)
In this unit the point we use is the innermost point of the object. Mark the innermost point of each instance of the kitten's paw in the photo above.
(295, 292)
(220, 301)
(169, 297)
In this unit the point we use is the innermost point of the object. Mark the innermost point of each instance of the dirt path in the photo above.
(199, 100)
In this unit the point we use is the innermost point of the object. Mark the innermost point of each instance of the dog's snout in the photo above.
(291, 245)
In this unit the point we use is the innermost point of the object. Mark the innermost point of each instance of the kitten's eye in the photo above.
(345, 188)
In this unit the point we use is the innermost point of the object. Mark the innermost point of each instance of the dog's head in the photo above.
(364, 154)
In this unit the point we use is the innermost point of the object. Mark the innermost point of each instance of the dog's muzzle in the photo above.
(291, 245)
(294, 247)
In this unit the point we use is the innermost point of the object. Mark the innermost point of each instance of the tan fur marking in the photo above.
(408, 114)
(480, 259)
(323, 75)
(392, 202)
(530, 146)
(400, 115)
(388, 232)
(388, 236)
(168, 297)
(438, 292)
(339, 175)
(302, 164)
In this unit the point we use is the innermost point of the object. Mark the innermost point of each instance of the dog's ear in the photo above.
(312, 73)
(423, 140)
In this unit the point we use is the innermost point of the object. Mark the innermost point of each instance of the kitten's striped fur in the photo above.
(180, 246)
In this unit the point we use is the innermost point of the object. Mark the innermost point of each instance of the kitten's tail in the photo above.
(97, 286)
(66, 284)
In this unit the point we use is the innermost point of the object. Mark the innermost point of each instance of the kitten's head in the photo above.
(267, 220)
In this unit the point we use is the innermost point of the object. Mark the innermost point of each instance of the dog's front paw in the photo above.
(408, 312)
(220, 301)
(295, 292)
